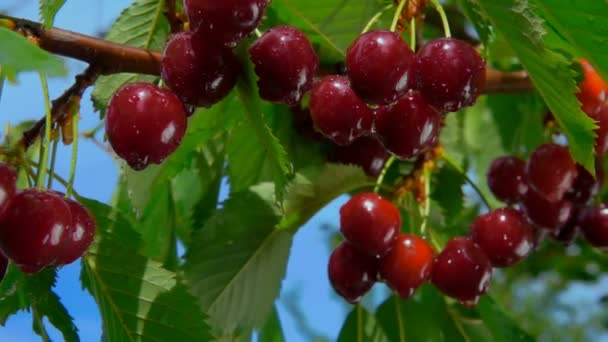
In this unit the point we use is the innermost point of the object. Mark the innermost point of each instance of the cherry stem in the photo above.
(72, 177)
(49, 183)
(463, 173)
(426, 207)
(257, 33)
(413, 34)
(398, 14)
(380, 179)
(375, 18)
(444, 18)
(47, 132)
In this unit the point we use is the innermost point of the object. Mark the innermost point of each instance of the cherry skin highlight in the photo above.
(285, 63)
(351, 273)
(409, 126)
(506, 179)
(200, 72)
(8, 188)
(227, 21)
(593, 223)
(34, 228)
(450, 74)
(379, 64)
(370, 223)
(462, 271)
(78, 236)
(145, 124)
(504, 235)
(337, 111)
(551, 171)
(407, 265)
(366, 152)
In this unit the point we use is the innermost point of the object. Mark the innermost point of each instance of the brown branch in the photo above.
(507, 82)
(61, 105)
(175, 22)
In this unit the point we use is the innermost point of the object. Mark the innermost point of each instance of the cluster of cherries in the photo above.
(374, 249)
(40, 228)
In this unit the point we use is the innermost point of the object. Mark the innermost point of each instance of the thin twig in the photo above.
(175, 23)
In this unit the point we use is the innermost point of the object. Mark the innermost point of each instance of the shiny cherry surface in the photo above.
(506, 179)
(366, 152)
(144, 124)
(370, 223)
(351, 273)
(407, 265)
(548, 215)
(78, 236)
(593, 223)
(379, 66)
(551, 171)
(285, 63)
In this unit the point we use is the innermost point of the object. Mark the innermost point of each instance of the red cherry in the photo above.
(78, 236)
(409, 126)
(506, 179)
(145, 124)
(462, 271)
(366, 152)
(370, 223)
(337, 112)
(285, 63)
(34, 228)
(586, 186)
(198, 70)
(407, 265)
(226, 21)
(8, 188)
(378, 64)
(551, 171)
(450, 74)
(351, 273)
(548, 215)
(504, 235)
(594, 226)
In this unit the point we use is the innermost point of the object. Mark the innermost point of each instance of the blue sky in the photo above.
(306, 284)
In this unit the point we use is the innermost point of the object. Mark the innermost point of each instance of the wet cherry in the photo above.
(351, 273)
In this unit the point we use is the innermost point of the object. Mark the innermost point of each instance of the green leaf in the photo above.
(20, 55)
(502, 328)
(138, 299)
(583, 25)
(245, 153)
(19, 291)
(550, 72)
(447, 191)
(272, 331)
(315, 187)
(478, 18)
(236, 262)
(331, 25)
(48, 11)
(141, 25)
(424, 317)
(361, 325)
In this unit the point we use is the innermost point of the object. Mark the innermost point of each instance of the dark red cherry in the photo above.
(366, 152)
(593, 223)
(450, 74)
(370, 223)
(351, 273)
(586, 186)
(548, 215)
(34, 228)
(3, 266)
(504, 235)
(506, 179)
(226, 21)
(551, 171)
(462, 271)
(285, 63)
(407, 265)
(379, 65)
(8, 188)
(145, 124)
(593, 92)
(78, 236)
(337, 112)
(567, 233)
(409, 126)
(199, 71)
